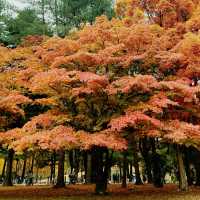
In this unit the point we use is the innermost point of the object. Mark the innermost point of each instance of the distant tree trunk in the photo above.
(32, 163)
(136, 162)
(8, 176)
(24, 168)
(60, 179)
(120, 171)
(4, 168)
(131, 169)
(56, 15)
(125, 165)
(17, 166)
(156, 167)
(37, 173)
(183, 184)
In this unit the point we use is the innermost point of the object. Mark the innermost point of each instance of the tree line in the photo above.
(48, 17)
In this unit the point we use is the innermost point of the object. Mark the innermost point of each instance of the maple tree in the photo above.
(134, 76)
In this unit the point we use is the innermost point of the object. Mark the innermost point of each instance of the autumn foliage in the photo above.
(138, 72)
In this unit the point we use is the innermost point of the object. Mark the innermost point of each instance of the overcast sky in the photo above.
(18, 3)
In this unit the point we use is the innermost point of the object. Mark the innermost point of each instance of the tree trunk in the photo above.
(125, 165)
(183, 184)
(60, 179)
(100, 171)
(197, 169)
(131, 169)
(37, 173)
(187, 166)
(71, 160)
(136, 162)
(156, 167)
(120, 171)
(4, 168)
(8, 176)
(56, 15)
(88, 168)
(24, 169)
(53, 167)
(32, 163)
(76, 163)
(144, 149)
(17, 166)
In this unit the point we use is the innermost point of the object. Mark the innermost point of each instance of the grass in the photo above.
(83, 192)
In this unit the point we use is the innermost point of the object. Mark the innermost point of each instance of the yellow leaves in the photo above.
(190, 47)
(52, 101)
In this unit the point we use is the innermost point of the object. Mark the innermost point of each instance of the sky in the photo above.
(18, 3)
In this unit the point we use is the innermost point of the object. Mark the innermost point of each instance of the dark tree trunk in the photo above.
(17, 166)
(197, 169)
(125, 166)
(183, 184)
(187, 166)
(101, 170)
(61, 161)
(128, 170)
(144, 149)
(8, 177)
(4, 168)
(136, 162)
(24, 168)
(88, 167)
(120, 172)
(53, 167)
(32, 163)
(37, 173)
(156, 167)
(194, 155)
(131, 169)
(76, 163)
(71, 160)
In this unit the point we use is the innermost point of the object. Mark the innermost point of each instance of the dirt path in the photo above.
(87, 191)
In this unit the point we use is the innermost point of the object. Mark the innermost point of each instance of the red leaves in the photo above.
(182, 132)
(7, 138)
(128, 84)
(133, 119)
(64, 137)
(182, 89)
(60, 137)
(58, 81)
(40, 122)
(102, 139)
(160, 101)
(11, 103)
(92, 83)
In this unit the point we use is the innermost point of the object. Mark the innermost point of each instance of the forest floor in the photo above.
(85, 192)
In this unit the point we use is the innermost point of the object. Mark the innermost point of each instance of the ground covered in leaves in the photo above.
(83, 192)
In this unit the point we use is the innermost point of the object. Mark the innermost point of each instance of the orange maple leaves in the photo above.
(141, 64)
